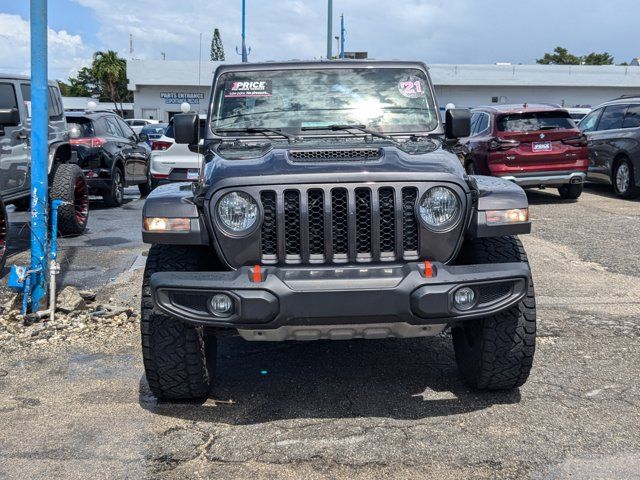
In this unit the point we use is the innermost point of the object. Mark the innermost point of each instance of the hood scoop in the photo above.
(335, 155)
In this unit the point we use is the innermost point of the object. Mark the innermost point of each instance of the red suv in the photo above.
(535, 146)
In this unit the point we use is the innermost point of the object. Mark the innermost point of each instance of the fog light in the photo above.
(221, 305)
(464, 298)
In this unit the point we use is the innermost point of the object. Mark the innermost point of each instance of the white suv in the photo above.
(172, 162)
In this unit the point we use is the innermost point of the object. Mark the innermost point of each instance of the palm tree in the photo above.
(111, 72)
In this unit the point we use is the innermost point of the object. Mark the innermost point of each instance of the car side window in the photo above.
(590, 122)
(474, 123)
(632, 118)
(8, 99)
(483, 123)
(112, 127)
(612, 117)
(126, 129)
(56, 112)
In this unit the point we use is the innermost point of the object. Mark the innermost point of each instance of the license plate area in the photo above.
(541, 147)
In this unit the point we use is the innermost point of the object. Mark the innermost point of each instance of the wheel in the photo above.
(4, 234)
(146, 188)
(496, 353)
(471, 169)
(624, 181)
(179, 360)
(70, 186)
(570, 192)
(115, 195)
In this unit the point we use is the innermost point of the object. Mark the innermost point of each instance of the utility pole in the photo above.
(330, 30)
(39, 154)
(342, 32)
(200, 59)
(245, 55)
(131, 45)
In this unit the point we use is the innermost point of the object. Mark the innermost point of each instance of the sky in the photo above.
(434, 31)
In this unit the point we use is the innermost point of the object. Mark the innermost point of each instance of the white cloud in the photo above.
(67, 53)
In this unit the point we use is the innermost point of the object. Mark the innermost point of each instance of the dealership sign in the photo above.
(180, 97)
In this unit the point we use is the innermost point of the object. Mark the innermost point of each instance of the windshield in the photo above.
(386, 100)
(535, 121)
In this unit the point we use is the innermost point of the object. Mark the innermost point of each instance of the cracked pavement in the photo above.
(358, 409)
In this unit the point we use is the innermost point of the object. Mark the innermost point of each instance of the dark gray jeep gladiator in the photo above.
(332, 205)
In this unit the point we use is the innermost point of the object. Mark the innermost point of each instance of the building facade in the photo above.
(160, 87)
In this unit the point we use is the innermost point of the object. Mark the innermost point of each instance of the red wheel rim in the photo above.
(81, 201)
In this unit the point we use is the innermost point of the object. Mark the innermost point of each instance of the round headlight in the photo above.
(237, 211)
(439, 207)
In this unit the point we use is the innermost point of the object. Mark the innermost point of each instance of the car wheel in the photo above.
(146, 188)
(115, 196)
(70, 186)
(471, 169)
(496, 353)
(4, 234)
(624, 180)
(570, 192)
(179, 360)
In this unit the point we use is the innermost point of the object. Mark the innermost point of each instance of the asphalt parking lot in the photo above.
(377, 409)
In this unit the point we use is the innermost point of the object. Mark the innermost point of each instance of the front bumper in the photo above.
(349, 295)
(550, 179)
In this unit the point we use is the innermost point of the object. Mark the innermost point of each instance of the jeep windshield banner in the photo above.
(248, 89)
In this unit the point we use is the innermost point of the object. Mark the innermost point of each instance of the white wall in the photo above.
(148, 98)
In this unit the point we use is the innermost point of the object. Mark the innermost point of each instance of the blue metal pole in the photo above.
(342, 32)
(39, 154)
(245, 57)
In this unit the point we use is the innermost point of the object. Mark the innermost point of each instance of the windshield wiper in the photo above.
(263, 130)
(361, 128)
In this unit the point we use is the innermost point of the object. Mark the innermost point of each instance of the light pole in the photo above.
(342, 32)
(39, 154)
(329, 30)
(245, 55)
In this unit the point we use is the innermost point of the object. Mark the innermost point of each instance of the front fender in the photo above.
(58, 152)
(174, 200)
(495, 193)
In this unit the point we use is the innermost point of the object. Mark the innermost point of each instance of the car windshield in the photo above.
(535, 121)
(385, 100)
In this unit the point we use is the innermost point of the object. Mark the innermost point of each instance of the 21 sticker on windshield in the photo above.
(412, 87)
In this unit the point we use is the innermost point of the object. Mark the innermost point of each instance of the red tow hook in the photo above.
(257, 274)
(429, 269)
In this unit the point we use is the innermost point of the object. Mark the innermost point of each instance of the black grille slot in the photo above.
(387, 220)
(335, 155)
(292, 222)
(316, 222)
(363, 220)
(190, 300)
(491, 293)
(339, 221)
(269, 224)
(409, 221)
(339, 224)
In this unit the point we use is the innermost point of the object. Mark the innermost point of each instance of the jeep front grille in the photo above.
(339, 224)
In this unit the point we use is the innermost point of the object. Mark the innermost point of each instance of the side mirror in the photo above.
(9, 117)
(457, 123)
(143, 137)
(185, 128)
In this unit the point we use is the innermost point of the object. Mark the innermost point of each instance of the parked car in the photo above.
(578, 113)
(66, 180)
(535, 146)
(613, 131)
(137, 124)
(333, 208)
(152, 132)
(173, 162)
(111, 155)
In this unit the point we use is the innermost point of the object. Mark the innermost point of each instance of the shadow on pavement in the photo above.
(398, 379)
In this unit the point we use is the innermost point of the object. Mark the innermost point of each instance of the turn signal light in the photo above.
(501, 217)
(159, 224)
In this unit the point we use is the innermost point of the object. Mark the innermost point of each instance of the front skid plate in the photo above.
(342, 332)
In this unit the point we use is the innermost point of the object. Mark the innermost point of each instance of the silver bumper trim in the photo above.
(342, 332)
(551, 180)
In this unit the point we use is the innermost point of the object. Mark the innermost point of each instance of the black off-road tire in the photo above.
(69, 185)
(570, 191)
(496, 353)
(4, 235)
(146, 188)
(179, 360)
(114, 197)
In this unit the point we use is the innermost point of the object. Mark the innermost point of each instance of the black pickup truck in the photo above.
(332, 205)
